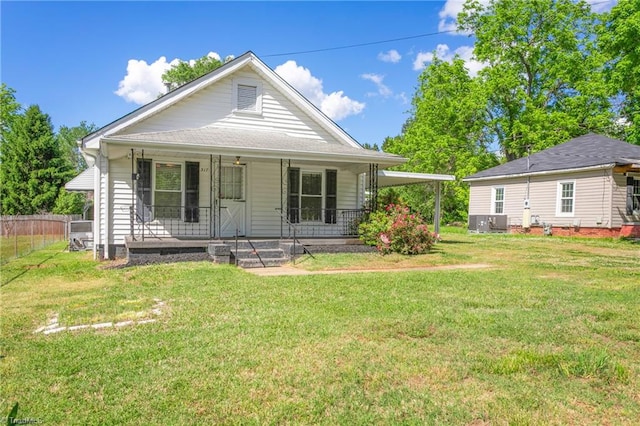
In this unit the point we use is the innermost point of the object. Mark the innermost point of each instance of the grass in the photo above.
(549, 333)
(16, 246)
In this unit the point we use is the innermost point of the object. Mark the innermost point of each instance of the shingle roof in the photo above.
(83, 182)
(257, 142)
(582, 152)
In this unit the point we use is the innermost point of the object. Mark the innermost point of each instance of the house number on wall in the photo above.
(204, 169)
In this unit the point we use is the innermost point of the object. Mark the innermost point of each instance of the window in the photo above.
(311, 196)
(498, 200)
(566, 199)
(231, 185)
(307, 200)
(168, 190)
(247, 96)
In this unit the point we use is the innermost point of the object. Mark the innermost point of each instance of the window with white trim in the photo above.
(232, 183)
(167, 196)
(565, 205)
(312, 195)
(247, 96)
(497, 206)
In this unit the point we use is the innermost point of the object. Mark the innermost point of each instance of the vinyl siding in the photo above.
(592, 195)
(213, 106)
(262, 196)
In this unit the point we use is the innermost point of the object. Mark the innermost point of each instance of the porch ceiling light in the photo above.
(237, 162)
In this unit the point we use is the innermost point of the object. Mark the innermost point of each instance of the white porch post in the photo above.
(436, 216)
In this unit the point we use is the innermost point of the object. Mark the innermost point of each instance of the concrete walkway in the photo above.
(289, 270)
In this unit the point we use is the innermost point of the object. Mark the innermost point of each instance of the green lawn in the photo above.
(548, 334)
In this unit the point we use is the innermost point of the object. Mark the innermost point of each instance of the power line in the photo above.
(350, 46)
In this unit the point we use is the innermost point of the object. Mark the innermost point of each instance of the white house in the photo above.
(235, 152)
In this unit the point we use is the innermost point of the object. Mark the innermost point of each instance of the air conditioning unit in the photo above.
(80, 235)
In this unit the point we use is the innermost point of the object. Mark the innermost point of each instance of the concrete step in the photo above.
(263, 253)
(255, 262)
(258, 244)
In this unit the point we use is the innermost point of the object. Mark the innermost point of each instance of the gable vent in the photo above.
(247, 97)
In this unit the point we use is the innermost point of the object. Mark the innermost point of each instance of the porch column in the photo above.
(436, 216)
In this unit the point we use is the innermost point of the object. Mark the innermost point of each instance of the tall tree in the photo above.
(184, 72)
(32, 166)
(544, 76)
(445, 134)
(9, 107)
(67, 139)
(619, 37)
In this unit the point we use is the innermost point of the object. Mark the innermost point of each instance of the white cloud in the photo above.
(444, 52)
(377, 79)
(335, 105)
(143, 82)
(600, 6)
(449, 15)
(391, 56)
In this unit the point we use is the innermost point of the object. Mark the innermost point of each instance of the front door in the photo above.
(232, 200)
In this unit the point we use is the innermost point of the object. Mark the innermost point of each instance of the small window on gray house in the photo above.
(636, 195)
(498, 200)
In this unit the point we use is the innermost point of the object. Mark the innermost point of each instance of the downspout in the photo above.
(96, 196)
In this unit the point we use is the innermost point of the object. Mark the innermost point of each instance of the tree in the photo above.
(445, 134)
(67, 140)
(544, 75)
(9, 107)
(32, 166)
(618, 37)
(184, 72)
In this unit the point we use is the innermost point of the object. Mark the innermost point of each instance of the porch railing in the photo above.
(322, 222)
(156, 221)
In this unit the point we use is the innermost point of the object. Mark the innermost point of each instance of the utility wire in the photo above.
(350, 46)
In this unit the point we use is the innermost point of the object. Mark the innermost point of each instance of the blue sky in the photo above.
(97, 61)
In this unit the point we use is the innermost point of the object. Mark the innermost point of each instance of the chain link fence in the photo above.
(24, 234)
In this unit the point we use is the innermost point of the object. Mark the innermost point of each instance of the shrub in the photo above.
(396, 230)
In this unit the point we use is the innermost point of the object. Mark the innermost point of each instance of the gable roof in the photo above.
(83, 182)
(186, 90)
(583, 152)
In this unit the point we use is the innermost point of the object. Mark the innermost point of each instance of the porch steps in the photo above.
(258, 253)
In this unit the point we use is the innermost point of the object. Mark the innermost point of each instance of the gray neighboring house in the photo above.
(589, 185)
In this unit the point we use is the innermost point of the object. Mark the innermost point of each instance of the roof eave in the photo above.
(388, 160)
(541, 173)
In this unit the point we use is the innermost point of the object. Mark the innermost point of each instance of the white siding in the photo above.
(592, 197)
(121, 193)
(264, 195)
(103, 208)
(214, 106)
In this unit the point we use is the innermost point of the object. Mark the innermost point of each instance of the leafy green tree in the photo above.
(446, 135)
(544, 76)
(9, 107)
(619, 37)
(184, 72)
(67, 139)
(32, 165)
(69, 202)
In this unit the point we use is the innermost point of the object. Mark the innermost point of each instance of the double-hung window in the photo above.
(498, 200)
(312, 195)
(168, 190)
(565, 205)
(164, 191)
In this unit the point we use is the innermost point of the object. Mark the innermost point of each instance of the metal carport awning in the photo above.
(388, 178)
